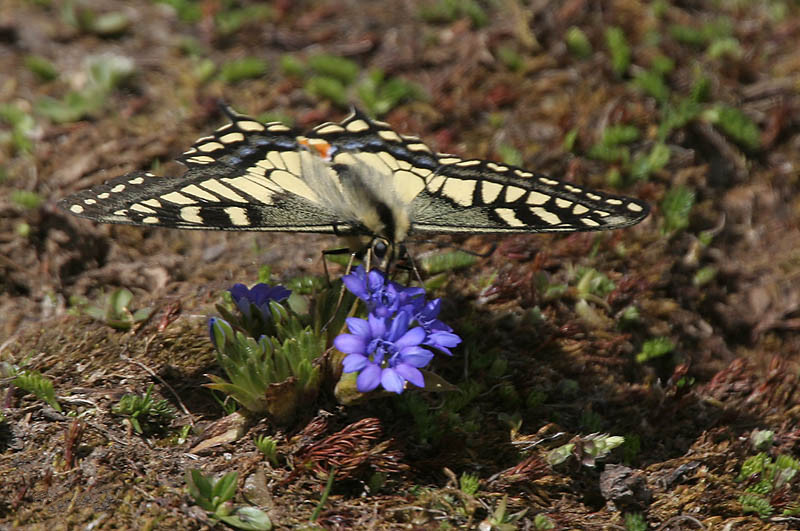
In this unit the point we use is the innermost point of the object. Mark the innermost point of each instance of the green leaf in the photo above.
(578, 43)
(327, 88)
(41, 67)
(655, 348)
(241, 69)
(676, 207)
(225, 488)
(339, 68)
(248, 518)
(736, 125)
(619, 49)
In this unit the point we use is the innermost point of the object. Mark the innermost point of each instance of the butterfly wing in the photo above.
(445, 194)
(482, 196)
(245, 176)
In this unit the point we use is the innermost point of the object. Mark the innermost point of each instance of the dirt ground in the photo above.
(592, 92)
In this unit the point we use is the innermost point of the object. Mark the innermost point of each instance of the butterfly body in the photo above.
(354, 178)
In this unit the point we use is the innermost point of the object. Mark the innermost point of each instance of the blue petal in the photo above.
(369, 378)
(239, 291)
(211, 322)
(377, 325)
(414, 356)
(411, 374)
(391, 381)
(412, 338)
(399, 326)
(445, 339)
(375, 280)
(354, 362)
(358, 326)
(350, 344)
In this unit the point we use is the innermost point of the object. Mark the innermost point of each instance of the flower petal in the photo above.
(350, 344)
(354, 362)
(375, 280)
(369, 378)
(399, 326)
(411, 374)
(377, 325)
(391, 381)
(358, 326)
(414, 356)
(239, 291)
(412, 338)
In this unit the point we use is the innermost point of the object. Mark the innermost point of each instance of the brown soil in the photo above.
(733, 371)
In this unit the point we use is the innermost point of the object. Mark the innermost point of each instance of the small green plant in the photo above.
(676, 207)
(500, 519)
(144, 413)
(762, 439)
(381, 94)
(229, 21)
(704, 275)
(655, 348)
(593, 283)
(26, 199)
(83, 17)
(619, 49)
(215, 495)
(578, 43)
(735, 124)
(543, 522)
(36, 383)
(267, 446)
(116, 313)
(280, 371)
(652, 83)
(765, 476)
(611, 148)
(339, 68)
(598, 446)
(635, 522)
(469, 483)
(292, 66)
(241, 69)
(21, 128)
(41, 67)
(187, 10)
(330, 88)
(446, 261)
(104, 74)
(643, 165)
(443, 11)
(511, 58)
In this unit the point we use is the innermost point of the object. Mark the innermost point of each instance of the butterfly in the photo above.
(358, 177)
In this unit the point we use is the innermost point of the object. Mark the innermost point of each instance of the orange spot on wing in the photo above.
(322, 148)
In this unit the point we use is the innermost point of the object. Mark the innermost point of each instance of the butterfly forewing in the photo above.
(245, 176)
(481, 196)
(354, 177)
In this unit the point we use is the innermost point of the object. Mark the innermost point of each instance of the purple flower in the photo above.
(384, 351)
(259, 296)
(383, 297)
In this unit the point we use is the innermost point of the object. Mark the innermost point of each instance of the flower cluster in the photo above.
(385, 349)
(255, 313)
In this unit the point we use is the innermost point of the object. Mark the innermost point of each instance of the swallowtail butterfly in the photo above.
(354, 178)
